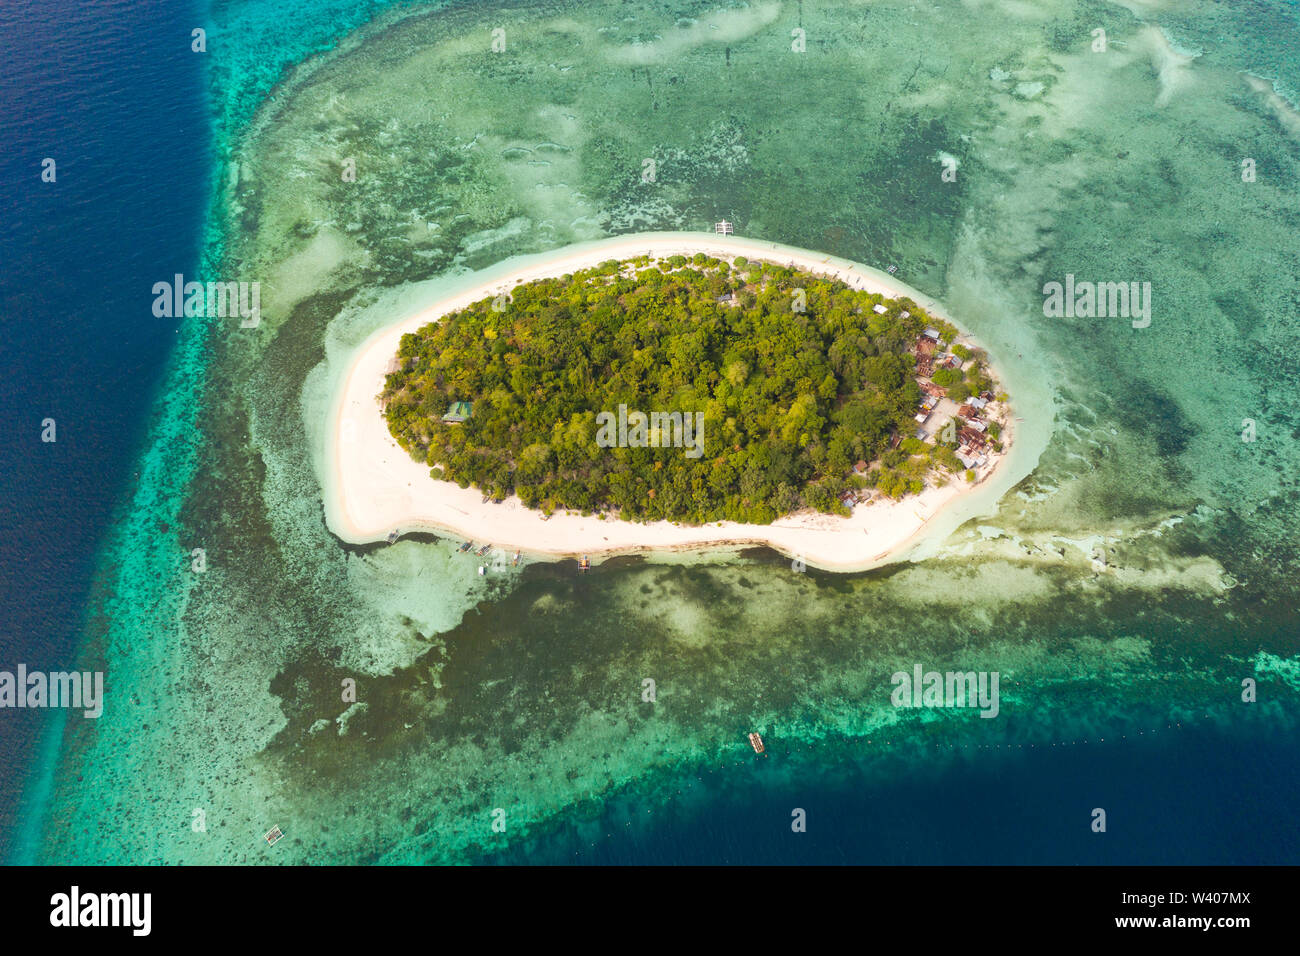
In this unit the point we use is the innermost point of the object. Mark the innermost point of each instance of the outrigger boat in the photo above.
(483, 550)
(392, 536)
(585, 564)
(466, 546)
(515, 560)
(756, 742)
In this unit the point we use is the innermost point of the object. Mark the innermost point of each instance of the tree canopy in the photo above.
(797, 377)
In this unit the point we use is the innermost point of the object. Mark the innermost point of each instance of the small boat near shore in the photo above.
(483, 550)
(756, 742)
(584, 564)
(514, 562)
(465, 547)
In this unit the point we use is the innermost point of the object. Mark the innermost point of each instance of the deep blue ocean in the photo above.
(1191, 796)
(112, 93)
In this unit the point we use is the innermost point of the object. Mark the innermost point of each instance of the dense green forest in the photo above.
(798, 378)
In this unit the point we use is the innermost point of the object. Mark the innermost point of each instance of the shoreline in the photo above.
(372, 487)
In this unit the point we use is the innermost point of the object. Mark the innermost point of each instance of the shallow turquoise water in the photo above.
(1128, 585)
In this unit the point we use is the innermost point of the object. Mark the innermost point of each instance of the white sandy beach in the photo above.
(372, 487)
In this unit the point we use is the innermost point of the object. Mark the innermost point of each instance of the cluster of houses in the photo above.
(974, 435)
(927, 343)
(973, 451)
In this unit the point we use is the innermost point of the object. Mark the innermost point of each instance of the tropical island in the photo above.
(664, 392)
(797, 392)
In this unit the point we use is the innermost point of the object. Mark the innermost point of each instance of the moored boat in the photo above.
(756, 742)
